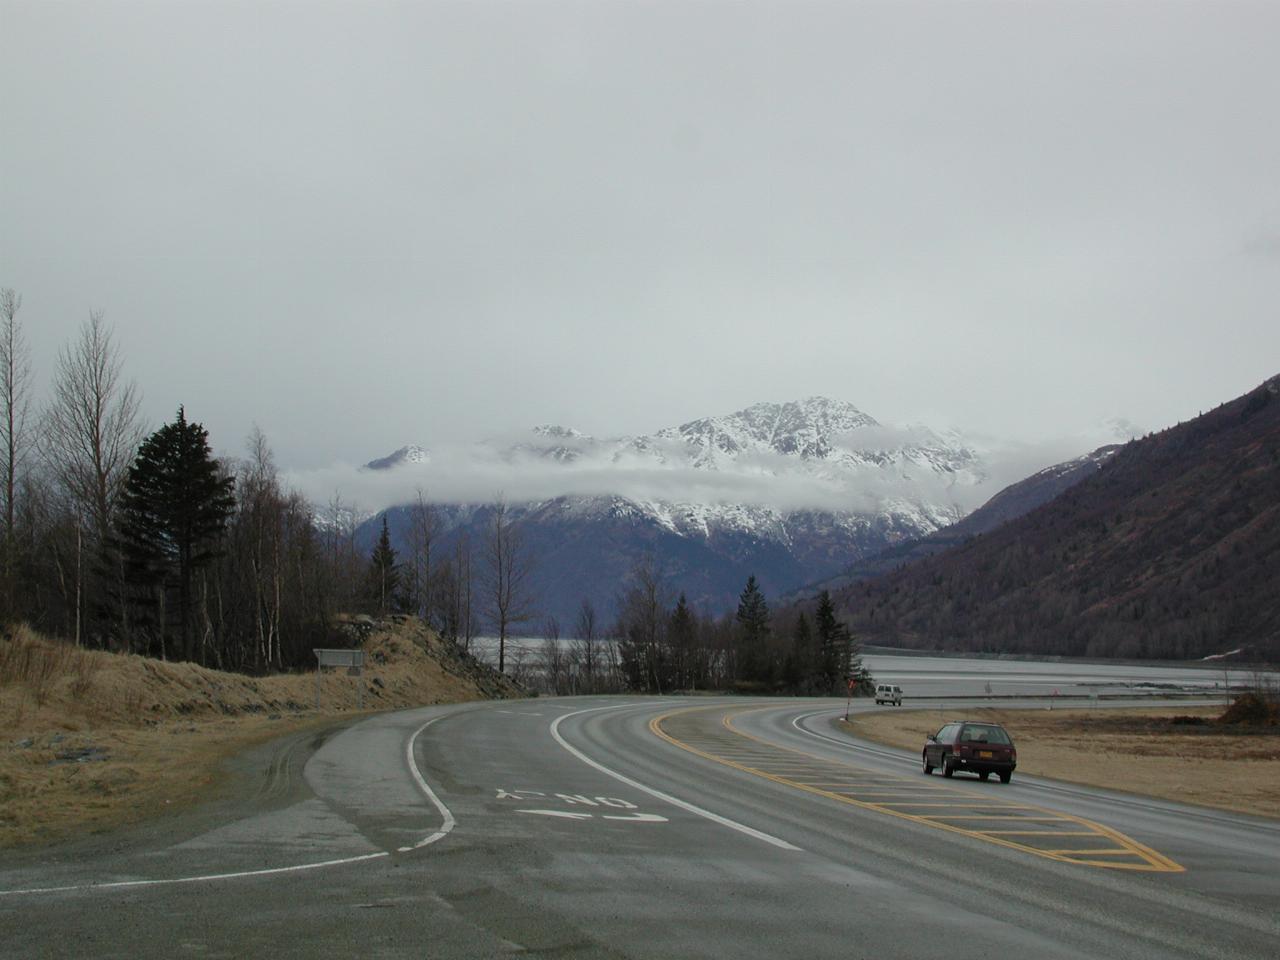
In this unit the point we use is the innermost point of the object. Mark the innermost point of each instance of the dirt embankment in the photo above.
(90, 739)
(1177, 753)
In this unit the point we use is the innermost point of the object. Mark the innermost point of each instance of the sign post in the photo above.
(353, 660)
(848, 701)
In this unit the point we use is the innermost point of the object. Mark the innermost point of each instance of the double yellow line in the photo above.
(1057, 836)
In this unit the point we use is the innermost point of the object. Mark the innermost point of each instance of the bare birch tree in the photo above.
(15, 402)
(341, 521)
(454, 594)
(424, 528)
(584, 653)
(92, 429)
(262, 513)
(642, 620)
(557, 672)
(90, 433)
(15, 437)
(508, 566)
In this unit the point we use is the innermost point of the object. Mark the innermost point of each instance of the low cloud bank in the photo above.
(481, 473)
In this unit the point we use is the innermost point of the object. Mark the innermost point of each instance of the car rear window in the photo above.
(983, 733)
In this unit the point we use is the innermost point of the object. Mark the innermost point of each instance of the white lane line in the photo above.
(636, 817)
(120, 884)
(445, 827)
(674, 801)
(447, 822)
(847, 744)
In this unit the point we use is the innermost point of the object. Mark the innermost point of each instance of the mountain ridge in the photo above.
(788, 491)
(1167, 551)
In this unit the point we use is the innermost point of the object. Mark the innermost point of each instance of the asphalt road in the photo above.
(646, 827)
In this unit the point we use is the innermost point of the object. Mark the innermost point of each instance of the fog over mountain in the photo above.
(790, 492)
(852, 462)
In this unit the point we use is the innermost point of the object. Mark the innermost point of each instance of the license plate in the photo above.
(985, 754)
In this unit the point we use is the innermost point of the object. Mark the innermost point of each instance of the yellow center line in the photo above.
(965, 803)
(879, 797)
(1043, 833)
(986, 816)
(1146, 859)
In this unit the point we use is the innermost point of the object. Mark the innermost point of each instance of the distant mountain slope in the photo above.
(1009, 504)
(1169, 550)
(586, 548)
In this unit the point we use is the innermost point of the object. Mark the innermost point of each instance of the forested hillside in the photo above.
(1170, 550)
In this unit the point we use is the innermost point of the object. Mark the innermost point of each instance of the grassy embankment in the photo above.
(1176, 753)
(92, 740)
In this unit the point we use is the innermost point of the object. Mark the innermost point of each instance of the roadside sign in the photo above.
(339, 658)
(353, 660)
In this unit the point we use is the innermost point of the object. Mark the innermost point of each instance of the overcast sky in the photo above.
(360, 225)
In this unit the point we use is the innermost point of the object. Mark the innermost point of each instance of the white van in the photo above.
(888, 693)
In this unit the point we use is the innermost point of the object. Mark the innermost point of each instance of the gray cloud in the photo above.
(1264, 244)
(356, 224)
(476, 473)
(479, 473)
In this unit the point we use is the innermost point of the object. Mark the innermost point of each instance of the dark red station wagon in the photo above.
(984, 748)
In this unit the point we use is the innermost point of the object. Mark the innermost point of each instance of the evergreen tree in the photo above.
(802, 661)
(384, 572)
(832, 644)
(682, 634)
(753, 632)
(173, 511)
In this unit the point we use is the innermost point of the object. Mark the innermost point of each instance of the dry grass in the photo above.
(159, 732)
(1135, 750)
(39, 666)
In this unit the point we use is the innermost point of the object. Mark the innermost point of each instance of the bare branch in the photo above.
(92, 430)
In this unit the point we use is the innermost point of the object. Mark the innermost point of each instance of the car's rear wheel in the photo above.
(1006, 776)
(983, 774)
(947, 767)
(926, 765)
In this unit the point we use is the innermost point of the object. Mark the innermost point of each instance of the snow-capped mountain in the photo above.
(410, 454)
(788, 491)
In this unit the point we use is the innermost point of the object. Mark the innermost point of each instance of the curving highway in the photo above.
(646, 828)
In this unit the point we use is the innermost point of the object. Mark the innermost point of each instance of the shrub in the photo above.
(1252, 709)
